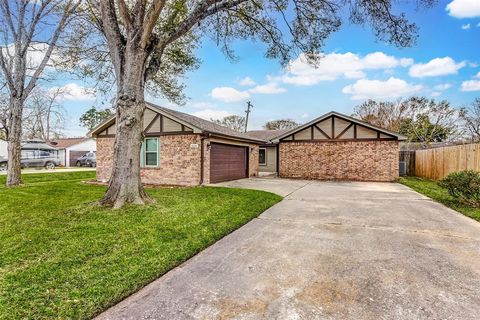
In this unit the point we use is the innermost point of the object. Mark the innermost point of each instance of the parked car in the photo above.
(3, 164)
(88, 159)
(33, 159)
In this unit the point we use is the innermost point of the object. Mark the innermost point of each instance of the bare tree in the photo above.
(28, 29)
(431, 121)
(3, 116)
(233, 122)
(149, 41)
(280, 124)
(44, 116)
(384, 114)
(471, 118)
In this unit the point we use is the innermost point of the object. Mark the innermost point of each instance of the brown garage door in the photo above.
(227, 162)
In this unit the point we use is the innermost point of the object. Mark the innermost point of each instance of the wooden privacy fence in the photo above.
(439, 162)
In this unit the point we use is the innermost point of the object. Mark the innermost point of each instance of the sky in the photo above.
(444, 64)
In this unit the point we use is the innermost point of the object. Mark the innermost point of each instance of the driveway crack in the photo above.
(373, 227)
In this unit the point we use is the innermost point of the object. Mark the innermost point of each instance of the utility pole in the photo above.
(249, 106)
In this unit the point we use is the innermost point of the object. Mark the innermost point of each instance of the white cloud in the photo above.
(466, 26)
(75, 92)
(464, 8)
(229, 94)
(208, 114)
(436, 67)
(335, 65)
(436, 93)
(247, 82)
(477, 75)
(268, 88)
(442, 87)
(471, 85)
(35, 54)
(371, 89)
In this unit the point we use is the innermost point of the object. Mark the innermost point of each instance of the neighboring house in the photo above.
(181, 149)
(3, 149)
(70, 149)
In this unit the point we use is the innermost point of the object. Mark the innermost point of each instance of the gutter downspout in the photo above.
(202, 157)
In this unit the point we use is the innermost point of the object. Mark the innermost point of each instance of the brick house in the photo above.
(181, 149)
(331, 147)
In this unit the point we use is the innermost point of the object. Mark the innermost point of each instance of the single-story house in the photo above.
(181, 149)
(331, 147)
(70, 149)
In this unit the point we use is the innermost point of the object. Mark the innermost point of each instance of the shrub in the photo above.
(463, 185)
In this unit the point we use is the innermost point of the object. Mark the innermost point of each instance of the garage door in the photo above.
(227, 162)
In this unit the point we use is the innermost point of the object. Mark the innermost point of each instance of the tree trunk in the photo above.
(125, 185)
(14, 141)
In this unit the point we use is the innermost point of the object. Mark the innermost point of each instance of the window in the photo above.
(45, 154)
(262, 156)
(151, 152)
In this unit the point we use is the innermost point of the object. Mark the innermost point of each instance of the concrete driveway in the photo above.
(328, 251)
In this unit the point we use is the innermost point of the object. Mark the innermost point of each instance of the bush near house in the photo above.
(463, 185)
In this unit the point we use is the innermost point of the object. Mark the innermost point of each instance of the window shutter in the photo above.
(142, 154)
(159, 146)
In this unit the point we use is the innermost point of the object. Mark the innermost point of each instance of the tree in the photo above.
(3, 116)
(430, 121)
(471, 118)
(149, 41)
(384, 114)
(233, 122)
(280, 124)
(28, 29)
(92, 117)
(44, 117)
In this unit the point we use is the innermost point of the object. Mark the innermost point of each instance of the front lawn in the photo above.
(432, 190)
(63, 258)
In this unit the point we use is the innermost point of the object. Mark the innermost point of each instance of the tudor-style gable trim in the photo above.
(335, 126)
(159, 118)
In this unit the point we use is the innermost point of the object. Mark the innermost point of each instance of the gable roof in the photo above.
(342, 116)
(204, 125)
(197, 123)
(66, 142)
(267, 135)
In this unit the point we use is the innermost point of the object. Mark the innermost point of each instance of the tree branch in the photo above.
(151, 19)
(69, 8)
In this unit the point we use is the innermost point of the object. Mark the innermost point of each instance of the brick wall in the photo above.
(349, 160)
(179, 162)
(253, 161)
(104, 158)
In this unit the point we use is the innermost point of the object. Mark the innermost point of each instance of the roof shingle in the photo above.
(205, 125)
(66, 142)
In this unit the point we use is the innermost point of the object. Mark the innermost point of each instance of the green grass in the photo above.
(432, 190)
(61, 257)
